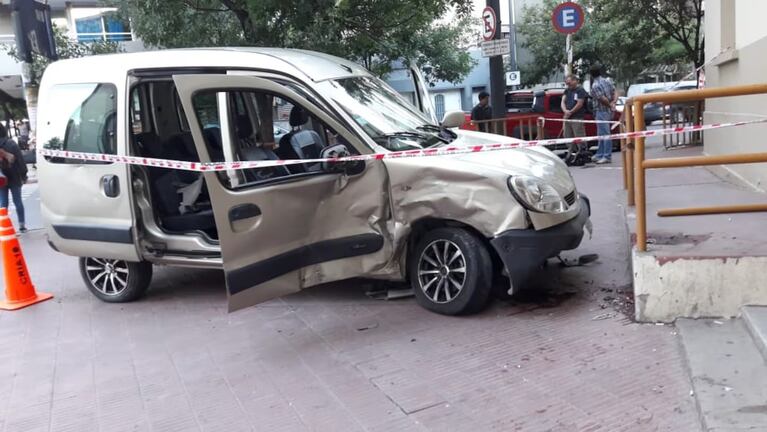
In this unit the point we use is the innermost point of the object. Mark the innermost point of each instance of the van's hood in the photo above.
(530, 161)
(473, 188)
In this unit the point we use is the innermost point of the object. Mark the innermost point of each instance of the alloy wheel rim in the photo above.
(109, 277)
(442, 271)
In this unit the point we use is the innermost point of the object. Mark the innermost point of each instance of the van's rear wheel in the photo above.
(115, 281)
(451, 272)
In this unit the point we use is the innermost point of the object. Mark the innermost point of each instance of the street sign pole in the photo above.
(512, 35)
(569, 54)
(497, 78)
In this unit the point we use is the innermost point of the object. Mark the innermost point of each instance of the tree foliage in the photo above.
(625, 37)
(371, 32)
(680, 20)
(66, 48)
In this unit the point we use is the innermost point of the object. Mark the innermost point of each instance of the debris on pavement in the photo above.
(368, 327)
(581, 261)
(387, 291)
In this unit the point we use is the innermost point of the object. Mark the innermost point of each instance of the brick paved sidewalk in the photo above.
(330, 359)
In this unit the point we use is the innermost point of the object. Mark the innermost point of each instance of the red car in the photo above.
(524, 107)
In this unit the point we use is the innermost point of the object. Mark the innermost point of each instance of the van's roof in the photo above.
(315, 66)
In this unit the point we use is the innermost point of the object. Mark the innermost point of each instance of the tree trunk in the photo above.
(246, 23)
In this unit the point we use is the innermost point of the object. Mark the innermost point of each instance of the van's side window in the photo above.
(85, 119)
(260, 126)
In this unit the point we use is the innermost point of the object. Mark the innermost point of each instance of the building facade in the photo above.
(736, 43)
(447, 96)
(83, 20)
(462, 96)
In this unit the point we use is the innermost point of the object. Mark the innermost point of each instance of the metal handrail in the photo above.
(635, 164)
(530, 121)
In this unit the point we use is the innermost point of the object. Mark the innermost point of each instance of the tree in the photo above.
(617, 34)
(680, 20)
(66, 48)
(371, 32)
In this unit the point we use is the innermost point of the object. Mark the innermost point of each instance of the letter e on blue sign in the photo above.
(568, 17)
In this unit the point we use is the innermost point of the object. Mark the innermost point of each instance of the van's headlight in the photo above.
(536, 195)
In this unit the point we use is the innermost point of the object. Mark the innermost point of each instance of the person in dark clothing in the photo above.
(15, 170)
(482, 111)
(573, 107)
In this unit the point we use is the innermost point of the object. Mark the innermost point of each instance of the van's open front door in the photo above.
(288, 227)
(423, 98)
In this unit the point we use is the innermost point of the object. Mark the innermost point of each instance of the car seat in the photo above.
(300, 144)
(250, 151)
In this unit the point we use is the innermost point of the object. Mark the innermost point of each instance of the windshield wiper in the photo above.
(439, 130)
(413, 134)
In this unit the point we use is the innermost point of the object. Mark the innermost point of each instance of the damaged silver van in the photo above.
(449, 225)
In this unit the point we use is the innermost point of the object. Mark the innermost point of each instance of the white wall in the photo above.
(750, 21)
(747, 65)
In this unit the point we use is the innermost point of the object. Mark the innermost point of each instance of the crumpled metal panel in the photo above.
(473, 188)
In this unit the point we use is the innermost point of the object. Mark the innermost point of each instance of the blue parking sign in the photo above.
(567, 17)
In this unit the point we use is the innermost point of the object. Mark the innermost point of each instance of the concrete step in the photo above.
(755, 318)
(728, 374)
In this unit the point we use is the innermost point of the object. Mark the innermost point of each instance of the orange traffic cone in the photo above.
(19, 291)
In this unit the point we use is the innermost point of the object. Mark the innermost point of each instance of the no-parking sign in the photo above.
(489, 23)
(568, 17)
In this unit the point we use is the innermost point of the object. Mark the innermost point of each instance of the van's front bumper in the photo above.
(524, 251)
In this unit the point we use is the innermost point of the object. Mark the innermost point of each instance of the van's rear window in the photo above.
(84, 118)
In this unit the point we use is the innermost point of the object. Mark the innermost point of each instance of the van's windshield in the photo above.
(384, 115)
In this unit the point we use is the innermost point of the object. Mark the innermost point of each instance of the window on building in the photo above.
(439, 106)
(104, 26)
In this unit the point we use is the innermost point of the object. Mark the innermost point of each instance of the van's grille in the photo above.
(570, 198)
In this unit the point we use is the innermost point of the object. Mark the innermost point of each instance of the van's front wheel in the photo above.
(451, 272)
(115, 281)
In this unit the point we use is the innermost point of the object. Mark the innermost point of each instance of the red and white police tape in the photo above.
(438, 151)
(614, 124)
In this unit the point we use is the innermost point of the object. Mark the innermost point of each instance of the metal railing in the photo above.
(528, 127)
(682, 114)
(635, 164)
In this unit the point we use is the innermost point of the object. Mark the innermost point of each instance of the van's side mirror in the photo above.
(454, 119)
(339, 151)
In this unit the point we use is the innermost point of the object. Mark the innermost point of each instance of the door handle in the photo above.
(111, 185)
(244, 211)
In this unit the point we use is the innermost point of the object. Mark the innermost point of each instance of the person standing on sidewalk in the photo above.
(482, 111)
(604, 95)
(24, 135)
(15, 170)
(572, 105)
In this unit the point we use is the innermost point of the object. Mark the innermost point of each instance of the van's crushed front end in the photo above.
(523, 201)
(523, 251)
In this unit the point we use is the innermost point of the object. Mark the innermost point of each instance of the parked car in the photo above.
(525, 107)
(277, 230)
(654, 111)
(620, 104)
